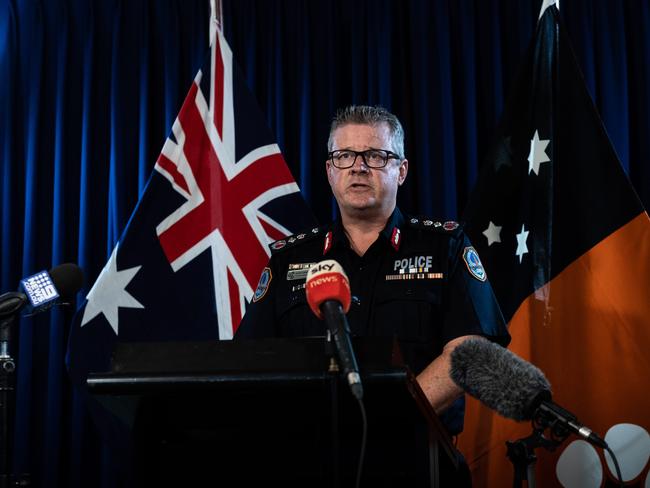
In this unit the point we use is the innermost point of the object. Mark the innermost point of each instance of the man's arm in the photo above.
(435, 382)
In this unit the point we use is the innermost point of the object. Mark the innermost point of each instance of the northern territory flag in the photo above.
(566, 245)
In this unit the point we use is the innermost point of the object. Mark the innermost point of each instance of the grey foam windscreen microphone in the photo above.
(498, 378)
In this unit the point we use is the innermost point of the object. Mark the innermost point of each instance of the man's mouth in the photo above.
(359, 186)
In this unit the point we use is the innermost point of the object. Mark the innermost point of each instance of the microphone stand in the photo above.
(333, 370)
(7, 398)
(522, 452)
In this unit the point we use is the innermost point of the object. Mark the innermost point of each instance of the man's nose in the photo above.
(359, 165)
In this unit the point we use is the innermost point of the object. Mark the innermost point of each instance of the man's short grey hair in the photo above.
(367, 115)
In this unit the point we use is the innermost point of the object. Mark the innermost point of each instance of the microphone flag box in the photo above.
(39, 289)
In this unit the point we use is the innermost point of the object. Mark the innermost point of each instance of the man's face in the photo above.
(361, 191)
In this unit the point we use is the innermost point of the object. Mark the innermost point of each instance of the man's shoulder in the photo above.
(299, 239)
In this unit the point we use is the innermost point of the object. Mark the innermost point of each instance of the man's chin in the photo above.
(362, 209)
(359, 199)
(361, 205)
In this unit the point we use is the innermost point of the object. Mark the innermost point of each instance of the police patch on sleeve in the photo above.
(262, 285)
(474, 265)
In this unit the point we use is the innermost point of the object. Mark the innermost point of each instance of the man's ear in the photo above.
(328, 170)
(403, 171)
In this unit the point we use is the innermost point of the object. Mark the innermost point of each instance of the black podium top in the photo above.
(207, 400)
(147, 366)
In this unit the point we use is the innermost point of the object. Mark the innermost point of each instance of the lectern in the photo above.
(272, 412)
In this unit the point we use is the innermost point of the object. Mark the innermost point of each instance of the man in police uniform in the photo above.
(418, 279)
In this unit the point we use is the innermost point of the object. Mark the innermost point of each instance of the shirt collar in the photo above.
(395, 221)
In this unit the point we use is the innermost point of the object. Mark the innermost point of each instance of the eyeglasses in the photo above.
(373, 158)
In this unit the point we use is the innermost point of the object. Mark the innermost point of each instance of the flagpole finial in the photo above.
(546, 4)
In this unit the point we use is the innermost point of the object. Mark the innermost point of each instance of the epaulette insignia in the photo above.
(277, 245)
(427, 223)
(450, 225)
(295, 239)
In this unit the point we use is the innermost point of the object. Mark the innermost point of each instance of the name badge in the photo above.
(298, 271)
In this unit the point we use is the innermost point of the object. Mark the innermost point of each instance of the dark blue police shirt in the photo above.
(421, 281)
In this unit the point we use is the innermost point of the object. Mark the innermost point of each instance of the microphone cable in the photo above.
(364, 439)
(618, 468)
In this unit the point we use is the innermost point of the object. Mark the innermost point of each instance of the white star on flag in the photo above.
(522, 248)
(109, 293)
(537, 154)
(493, 233)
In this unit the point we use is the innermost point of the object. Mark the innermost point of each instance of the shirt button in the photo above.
(356, 300)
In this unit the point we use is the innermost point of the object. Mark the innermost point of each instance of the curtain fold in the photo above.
(9, 214)
(88, 92)
(34, 106)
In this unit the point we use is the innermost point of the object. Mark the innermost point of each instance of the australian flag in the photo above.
(190, 257)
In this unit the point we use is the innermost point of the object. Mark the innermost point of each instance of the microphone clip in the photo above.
(11, 303)
(330, 353)
(556, 421)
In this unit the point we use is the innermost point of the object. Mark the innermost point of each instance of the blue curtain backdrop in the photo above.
(89, 90)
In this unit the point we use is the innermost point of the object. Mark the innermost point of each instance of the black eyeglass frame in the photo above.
(387, 156)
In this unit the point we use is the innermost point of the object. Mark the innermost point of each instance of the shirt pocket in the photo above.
(295, 318)
(411, 313)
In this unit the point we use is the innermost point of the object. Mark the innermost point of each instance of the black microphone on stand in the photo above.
(43, 290)
(38, 293)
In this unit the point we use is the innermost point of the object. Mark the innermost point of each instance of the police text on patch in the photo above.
(414, 262)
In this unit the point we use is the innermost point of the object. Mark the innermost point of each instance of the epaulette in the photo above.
(446, 226)
(296, 239)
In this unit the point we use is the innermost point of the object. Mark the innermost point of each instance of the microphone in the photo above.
(511, 386)
(328, 295)
(42, 290)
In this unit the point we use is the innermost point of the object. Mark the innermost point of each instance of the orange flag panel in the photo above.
(589, 331)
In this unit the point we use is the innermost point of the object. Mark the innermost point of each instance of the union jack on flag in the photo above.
(190, 257)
